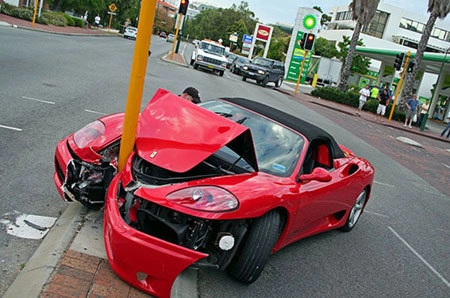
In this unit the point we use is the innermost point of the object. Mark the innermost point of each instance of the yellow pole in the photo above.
(137, 77)
(300, 74)
(399, 86)
(180, 16)
(36, 2)
(110, 20)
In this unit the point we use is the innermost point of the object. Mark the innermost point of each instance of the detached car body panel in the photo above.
(223, 184)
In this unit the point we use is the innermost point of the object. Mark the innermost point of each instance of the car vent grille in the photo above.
(211, 60)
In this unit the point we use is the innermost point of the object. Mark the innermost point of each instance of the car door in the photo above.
(321, 202)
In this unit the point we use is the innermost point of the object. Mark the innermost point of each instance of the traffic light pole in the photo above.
(180, 17)
(399, 86)
(301, 71)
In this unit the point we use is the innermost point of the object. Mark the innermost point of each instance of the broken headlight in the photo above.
(89, 133)
(205, 198)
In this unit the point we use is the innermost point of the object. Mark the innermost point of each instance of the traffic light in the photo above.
(410, 66)
(399, 61)
(183, 6)
(302, 41)
(309, 42)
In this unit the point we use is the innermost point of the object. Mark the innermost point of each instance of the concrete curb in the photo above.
(166, 58)
(39, 268)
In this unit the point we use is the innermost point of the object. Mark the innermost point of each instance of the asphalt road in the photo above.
(51, 85)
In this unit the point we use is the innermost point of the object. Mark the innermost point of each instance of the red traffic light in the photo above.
(183, 6)
(309, 42)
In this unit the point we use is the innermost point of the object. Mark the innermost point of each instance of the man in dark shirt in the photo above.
(383, 102)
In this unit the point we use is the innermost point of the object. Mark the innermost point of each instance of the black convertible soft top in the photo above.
(310, 131)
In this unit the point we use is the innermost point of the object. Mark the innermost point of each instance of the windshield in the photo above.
(262, 62)
(212, 48)
(277, 148)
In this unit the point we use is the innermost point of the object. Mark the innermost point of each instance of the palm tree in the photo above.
(437, 9)
(363, 13)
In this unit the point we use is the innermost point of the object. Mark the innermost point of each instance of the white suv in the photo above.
(211, 55)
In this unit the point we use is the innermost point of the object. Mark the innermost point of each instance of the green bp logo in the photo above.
(309, 22)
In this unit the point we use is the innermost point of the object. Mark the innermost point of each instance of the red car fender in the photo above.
(147, 263)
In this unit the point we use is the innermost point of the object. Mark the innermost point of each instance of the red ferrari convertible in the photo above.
(223, 184)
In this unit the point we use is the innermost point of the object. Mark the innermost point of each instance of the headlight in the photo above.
(245, 67)
(205, 198)
(261, 72)
(224, 64)
(89, 133)
(199, 57)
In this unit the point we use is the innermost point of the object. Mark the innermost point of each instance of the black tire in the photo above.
(265, 81)
(192, 61)
(355, 212)
(256, 248)
(244, 78)
(195, 66)
(279, 82)
(232, 69)
(221, 73)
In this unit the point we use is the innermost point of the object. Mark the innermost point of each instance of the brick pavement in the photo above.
(84, 275)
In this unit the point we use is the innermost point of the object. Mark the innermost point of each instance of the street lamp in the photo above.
(424, 120)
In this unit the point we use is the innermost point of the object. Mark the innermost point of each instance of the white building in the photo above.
(396, 29)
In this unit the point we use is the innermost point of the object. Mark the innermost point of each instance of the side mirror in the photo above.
(318, 174)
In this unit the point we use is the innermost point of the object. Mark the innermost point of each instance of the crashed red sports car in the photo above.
(222, 184)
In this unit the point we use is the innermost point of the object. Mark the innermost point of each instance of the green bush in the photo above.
(351, 98)
(54, 18)
(79, 23)
(69, 20)
(17, 12)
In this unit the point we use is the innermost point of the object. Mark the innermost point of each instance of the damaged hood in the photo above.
(177, 135)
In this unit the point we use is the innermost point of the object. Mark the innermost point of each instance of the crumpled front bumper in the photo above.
(145, 262)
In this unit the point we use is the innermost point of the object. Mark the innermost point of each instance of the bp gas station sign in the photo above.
(307, 21)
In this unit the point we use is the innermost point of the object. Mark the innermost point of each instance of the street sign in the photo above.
(247, 38)
(112, 7)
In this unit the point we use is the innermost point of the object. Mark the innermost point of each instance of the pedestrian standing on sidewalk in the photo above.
(447, 128)
(374, 92)
(383, 102)
(364, 93)
(411, 104)
(97, 21)
(423, 111)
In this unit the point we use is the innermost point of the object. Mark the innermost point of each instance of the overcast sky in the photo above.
(285, 11)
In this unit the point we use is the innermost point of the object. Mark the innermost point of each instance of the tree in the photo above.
(359, 63)
(324, 48)
(363, 13)
(325, 18)
(437, 9)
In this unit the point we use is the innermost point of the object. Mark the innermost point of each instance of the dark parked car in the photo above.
(222, 184)
(264, 70)
(238, 63)
(230, 57)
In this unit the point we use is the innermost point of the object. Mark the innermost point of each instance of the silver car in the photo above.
(130, 32)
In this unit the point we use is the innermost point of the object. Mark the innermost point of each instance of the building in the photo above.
(399, 30)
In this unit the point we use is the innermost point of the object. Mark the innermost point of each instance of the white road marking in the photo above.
(27, 226)
(445, 165)
(94, 112)
(10, 127)
(384, 184)
(39, 100)
(377, 214)
(446, 282)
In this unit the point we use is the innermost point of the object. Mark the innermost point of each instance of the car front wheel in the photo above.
(265, 81)
(355, 212)
(244, 78)
(256, 249)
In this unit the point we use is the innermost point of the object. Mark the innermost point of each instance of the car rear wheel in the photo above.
(265, 81)
(256, 249)
(355, 212)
